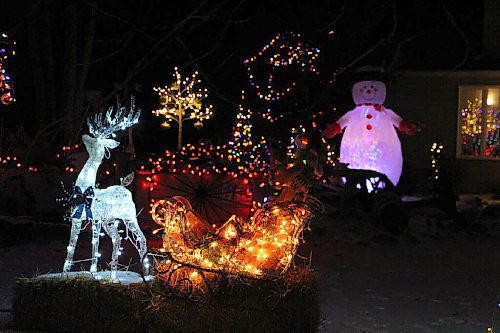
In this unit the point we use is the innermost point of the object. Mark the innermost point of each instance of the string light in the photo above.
(6, 83)
(10, 162)
(263, 245)
(471, 127)
(104, 207)
(183, 95)
(436, 153)
(287, 52)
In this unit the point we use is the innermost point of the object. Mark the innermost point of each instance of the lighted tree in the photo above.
(242, 144)
(249, 153)
(183, 100)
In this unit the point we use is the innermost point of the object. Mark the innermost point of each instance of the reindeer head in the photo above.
(101, 128)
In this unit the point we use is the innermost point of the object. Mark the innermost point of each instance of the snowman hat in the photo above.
(368, 73)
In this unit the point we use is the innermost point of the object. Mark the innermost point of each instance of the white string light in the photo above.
(104, 208)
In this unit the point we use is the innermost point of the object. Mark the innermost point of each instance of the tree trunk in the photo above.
(47, 55)
(83, 69)
(70, 14)
(37, 65)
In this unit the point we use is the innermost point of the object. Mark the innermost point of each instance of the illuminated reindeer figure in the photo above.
(104, 207)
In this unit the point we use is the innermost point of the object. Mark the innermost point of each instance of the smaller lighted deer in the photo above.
(104, 208)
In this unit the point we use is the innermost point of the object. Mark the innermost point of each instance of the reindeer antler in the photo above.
(124, 117)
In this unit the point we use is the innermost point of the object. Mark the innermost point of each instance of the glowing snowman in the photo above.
(370, 141)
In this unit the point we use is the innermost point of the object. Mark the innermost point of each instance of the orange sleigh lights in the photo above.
(263, 245)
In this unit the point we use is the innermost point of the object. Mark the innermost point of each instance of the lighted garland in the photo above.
(6, 84)
(202, 159)
(284, 52)
(11, 162)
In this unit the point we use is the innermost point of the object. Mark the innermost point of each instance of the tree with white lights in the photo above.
(183, 100)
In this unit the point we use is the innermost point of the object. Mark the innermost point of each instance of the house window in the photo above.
(479, 122)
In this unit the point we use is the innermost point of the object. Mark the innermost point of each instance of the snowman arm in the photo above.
(335, 128)
(403, 126)
(408, 128)
(394, 117)
(331, 130)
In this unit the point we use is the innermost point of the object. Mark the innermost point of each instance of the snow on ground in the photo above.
(419, 281)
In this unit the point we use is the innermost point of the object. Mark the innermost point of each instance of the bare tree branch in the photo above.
(155, 52)
(122, 20)
(382, 41)
(111, 54)
(216, 44)
(469, 50)
(333, 22)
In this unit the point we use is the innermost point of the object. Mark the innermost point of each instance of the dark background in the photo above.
(395, 35)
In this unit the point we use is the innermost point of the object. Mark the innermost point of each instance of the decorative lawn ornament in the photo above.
(370, 141)
(109, 207)
(262, 245)
(183, 95)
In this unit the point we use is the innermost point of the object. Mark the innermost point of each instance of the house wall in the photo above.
(432, 98)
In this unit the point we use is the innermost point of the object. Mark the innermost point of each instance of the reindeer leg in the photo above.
(96, 231)
(112, 229)
(139, 241)
(76, 225)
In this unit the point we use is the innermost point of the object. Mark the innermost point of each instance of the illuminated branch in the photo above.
(183, 100)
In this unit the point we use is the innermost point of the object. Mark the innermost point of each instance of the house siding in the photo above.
(432, 98)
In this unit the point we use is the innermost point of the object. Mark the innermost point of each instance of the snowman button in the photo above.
(369, 127)
(369, 116)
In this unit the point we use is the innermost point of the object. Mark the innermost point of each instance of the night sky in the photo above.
(222, 34)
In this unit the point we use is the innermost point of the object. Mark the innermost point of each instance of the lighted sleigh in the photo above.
(261, 246)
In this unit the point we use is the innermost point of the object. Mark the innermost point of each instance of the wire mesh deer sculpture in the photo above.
(109, 207)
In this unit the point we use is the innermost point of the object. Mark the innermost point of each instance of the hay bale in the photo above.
(286, 304)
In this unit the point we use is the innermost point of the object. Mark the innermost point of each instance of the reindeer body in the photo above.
(104, 208)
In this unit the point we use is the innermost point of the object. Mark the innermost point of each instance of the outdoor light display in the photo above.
(183, 100)
(249, 154)
(6, 84)
(109, 207)
(203, 159)
(261, 245)
(471, 127)
(436, 153)
(370, 141)
(264, 244)
(285, 52)
(9, 162)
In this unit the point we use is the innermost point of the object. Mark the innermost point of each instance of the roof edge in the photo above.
(452, 73)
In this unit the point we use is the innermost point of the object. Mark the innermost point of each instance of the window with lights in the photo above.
(478, 134)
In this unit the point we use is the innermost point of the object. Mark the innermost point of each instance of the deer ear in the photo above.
(110, 143)
(86, 139)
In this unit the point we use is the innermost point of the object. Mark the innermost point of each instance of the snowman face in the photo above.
(369, 92)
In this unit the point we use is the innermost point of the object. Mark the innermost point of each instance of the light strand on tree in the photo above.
(183, 100)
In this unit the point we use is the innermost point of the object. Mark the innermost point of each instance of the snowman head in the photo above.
(369, 92)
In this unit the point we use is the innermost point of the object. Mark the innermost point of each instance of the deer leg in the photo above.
(76, 225)
(112, 230)
(96, 231)
(139, 242)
